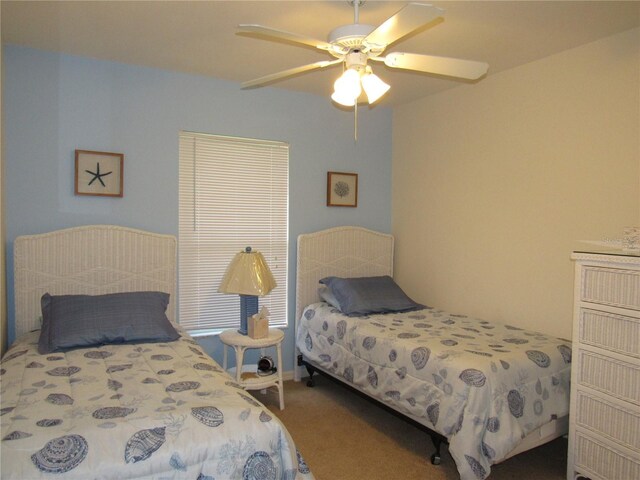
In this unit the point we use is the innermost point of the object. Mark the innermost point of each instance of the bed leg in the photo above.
(312, 371)
(435, 458)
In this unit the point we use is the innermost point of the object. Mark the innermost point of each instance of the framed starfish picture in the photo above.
(99, 173)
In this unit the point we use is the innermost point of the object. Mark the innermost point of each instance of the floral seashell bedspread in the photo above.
(483, 385)
(145, 411)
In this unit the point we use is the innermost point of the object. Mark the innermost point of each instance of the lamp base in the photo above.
(248, 307)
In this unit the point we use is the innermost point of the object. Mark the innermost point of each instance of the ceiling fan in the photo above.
(355, 44)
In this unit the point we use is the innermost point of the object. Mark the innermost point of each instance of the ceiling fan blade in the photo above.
(451, 67)
(411, 17)
(259, 82)
(281, 34)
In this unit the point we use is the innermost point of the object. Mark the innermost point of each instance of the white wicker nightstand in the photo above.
(240, 343)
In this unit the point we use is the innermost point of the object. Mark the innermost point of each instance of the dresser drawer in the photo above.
(618, 333)
(611, 286)
(619, 424)
(593, 457)
(608, 375)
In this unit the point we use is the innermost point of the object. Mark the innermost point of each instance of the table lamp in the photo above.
(249, 276)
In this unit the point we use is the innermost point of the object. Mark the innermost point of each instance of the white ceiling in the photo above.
(200, 37)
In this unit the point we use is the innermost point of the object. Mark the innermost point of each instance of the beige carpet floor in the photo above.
(345, 437)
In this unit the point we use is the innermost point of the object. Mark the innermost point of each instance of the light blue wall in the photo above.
(54, 104)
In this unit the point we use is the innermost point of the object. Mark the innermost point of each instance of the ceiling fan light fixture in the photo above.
(373, 86)
(347, 88)
(346, 101)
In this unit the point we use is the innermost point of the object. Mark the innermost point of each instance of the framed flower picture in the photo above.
(342, 189)
(99, 173)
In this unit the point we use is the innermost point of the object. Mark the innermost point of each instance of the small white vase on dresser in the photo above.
(604, 428)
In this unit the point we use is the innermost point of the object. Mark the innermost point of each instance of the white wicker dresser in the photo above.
(604, 429)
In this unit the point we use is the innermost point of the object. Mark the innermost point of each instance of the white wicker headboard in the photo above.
(90, 260)
(340, 252)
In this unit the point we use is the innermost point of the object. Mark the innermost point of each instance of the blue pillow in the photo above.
(327, 295)
(73, 321)
(365, 295)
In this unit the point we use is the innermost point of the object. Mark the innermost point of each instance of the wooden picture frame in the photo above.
(342, 189)
(99, 173)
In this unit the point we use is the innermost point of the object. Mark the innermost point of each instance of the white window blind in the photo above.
(233, 194)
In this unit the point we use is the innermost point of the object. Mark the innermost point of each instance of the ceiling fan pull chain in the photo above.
(355, 121)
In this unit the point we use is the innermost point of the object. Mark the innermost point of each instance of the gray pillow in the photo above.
(327, 296)
(73, 321)
(364, 295)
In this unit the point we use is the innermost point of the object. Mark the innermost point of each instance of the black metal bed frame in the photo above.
(436, 438)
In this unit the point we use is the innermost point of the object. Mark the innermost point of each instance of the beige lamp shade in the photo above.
(248, 274)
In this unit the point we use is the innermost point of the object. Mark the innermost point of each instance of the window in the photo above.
(233, 194)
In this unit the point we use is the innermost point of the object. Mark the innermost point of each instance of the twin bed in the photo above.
(164, 409)
(490, 390)
(156, 409)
